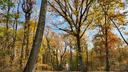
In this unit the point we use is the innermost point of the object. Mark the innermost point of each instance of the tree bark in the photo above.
(38, 38)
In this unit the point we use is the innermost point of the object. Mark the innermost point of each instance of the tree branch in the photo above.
(119, 31)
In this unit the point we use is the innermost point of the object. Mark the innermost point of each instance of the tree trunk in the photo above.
(86, 59)
(106, 44)
(27, 8)
(38, 38)
(80, 60)
(71, 59)
(24, 50)
(91, 60)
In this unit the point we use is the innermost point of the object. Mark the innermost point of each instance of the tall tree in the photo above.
(38, 38)
(108, 11)
(75, 13)
(27, 9)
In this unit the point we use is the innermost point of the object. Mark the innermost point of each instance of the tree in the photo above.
(76, 14)
(100, 49)
(79, 35)
(27, 9)
(38, 38)
(108, 11)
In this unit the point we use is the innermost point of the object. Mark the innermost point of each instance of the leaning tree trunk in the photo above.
(38, 38)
